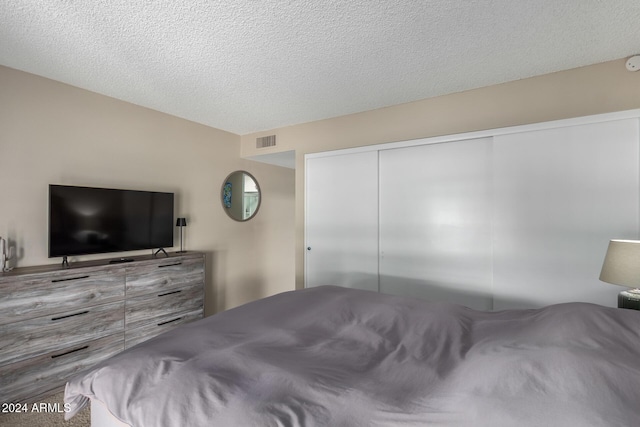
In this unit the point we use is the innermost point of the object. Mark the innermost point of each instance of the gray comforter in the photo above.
(332, 356)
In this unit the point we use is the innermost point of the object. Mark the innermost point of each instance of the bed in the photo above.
(332, 356)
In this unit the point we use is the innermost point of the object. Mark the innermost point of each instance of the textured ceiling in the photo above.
(252, 65)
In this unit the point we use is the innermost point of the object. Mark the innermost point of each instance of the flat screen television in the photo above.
(87, 220)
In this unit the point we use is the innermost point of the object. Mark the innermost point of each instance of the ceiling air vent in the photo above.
(266, 141)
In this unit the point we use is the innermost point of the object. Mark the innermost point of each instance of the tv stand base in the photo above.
(161, 250)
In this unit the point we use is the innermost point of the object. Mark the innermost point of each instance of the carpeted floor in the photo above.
(33, 418)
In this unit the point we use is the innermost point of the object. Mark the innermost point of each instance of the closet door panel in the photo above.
(435, 222)
(342, 221)
(560, 195)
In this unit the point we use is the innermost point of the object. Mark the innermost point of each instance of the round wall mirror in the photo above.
(240, 196)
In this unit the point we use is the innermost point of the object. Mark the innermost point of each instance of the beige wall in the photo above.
(596, 89)
(52, 133)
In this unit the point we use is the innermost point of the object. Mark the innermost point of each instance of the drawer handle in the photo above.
(70, 315)
(69, 278)
(170, 293)
(70, 351)
(169, 321)
(170, 265)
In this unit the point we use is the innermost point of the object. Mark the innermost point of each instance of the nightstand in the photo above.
(628, 300)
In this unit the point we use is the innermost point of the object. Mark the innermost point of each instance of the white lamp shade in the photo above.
(622, 263)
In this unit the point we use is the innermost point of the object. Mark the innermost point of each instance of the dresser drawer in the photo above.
(35, 376)
(164, 274)
(137, 335)
(59, 292)
(45, 334)
(162, 306)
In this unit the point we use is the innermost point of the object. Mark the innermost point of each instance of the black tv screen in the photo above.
(86, 220)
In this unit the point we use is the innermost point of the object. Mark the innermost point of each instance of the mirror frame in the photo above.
(226, 210)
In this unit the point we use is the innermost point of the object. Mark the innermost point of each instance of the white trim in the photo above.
(306, 209)
(379, 213)
(598, 118)
(638, 159)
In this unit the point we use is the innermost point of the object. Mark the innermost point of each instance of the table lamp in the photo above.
(181, 222)
(621, 267)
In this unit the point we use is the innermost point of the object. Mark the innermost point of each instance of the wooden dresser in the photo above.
(55, 322)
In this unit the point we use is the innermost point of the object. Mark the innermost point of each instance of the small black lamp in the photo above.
(181, 222)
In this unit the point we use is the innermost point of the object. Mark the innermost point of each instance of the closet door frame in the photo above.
(490, 133)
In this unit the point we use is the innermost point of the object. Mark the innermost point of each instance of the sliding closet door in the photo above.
(435, 222)
(560, 195)
(341, 227)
